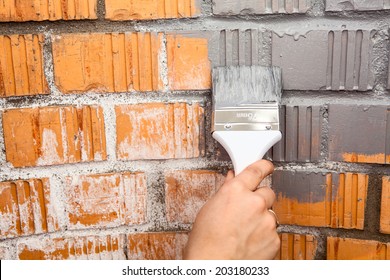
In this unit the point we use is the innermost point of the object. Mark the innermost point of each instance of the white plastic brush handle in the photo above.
(246, 147)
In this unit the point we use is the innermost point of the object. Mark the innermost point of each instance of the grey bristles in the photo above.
(245, 85)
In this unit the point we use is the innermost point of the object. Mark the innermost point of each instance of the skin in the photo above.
(235, 223)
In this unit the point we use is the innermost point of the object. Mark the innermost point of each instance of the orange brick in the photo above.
(106, 200)
(323, 200)
(108, 247)
(107, 62)
(156, 246)
(54, 135)
(150, 9)
(39, 10)
(21, 65)
(189, 67)
(25, 208)
(187, 191)
(296, 247)
(356, 249)
(385, 206)
(159, 131)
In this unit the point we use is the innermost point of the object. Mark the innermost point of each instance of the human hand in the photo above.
(235, 223)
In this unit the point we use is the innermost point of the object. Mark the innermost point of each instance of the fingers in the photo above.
(229, 176)
(268, 194)
(251, 176)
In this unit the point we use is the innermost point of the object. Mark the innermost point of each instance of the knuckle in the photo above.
(254, 172)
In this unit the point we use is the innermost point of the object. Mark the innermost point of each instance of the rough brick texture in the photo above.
(39, 10)
(357, 5)
(356, 249)
(73, 248)
(54, 135)
(150, 9)
(106, 200)
(321, 199)
(25, 208)
(296, 247)
(159, 131)
(187, 191)
(21, 65)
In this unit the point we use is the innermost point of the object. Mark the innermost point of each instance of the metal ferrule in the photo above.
(263, 116)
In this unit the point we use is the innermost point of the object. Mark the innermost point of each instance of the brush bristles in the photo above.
(245, 85)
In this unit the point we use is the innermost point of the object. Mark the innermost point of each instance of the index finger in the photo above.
(252, 176)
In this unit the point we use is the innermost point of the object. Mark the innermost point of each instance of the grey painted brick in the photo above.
(234, 7)
(325, 60)
(326, 199)
(359, 133)
(356, 5)
(301, 130)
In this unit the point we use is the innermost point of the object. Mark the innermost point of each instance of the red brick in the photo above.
(385, 206)
(159, 131)
(21, 65)
(54, 135)
(39, 10)
(106, 200)
(296, 247)
(189, 67)
(156, 246)
(70, 248)
(322, 200)
(25, 208)
(107, 62)
(356, 249)
(187, 191)
(150, 9)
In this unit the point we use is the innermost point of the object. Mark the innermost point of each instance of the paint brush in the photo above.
(246, 111)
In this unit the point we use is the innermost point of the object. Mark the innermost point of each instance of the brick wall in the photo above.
(105, 113)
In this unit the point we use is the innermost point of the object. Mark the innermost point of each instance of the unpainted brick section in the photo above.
(108, 247)
(156, 245)
(301, 134)
(232, 7)
(350, 143)
(21, 65)
(296, 247)
(107, 62)
(385, 206)
(40, 10)
(334, 60)
(321, 199)
(151, 9)
(25, 208)
(54, 135)
(356, 249)
(159, 131)
(356, 5)
(187, 191)
(189, 67)
(106, 200)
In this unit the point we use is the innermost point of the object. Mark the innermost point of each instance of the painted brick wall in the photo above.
(105, 118)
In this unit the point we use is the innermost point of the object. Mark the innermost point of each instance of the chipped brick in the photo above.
(334, 60)
(40, 10)
(296, 247)
(106, 200)
(25, 208)
(107, 62)
(349, 142)
(356, 249)
(159, 131)
(322, 200)
(356, 5)
(21, 65)
(54, 135)
(108, 247)
(385, 206)
(151, 9)
(187, 191)
(156, 246)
